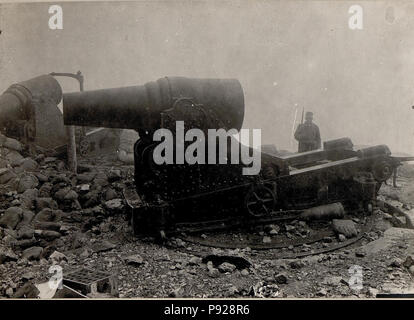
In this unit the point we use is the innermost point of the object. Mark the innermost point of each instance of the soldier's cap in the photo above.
(309, 115)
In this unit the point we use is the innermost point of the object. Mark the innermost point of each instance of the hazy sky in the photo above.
(358, 83)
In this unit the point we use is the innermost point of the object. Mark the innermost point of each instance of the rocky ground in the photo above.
(51, 216)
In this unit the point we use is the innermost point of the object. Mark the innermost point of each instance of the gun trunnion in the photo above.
(167, 195)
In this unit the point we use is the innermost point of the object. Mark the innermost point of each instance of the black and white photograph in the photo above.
(235, 150)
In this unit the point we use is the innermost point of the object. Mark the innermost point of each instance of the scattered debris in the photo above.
(134, 260)
(88, 281)
(345, 227)
(239, 262)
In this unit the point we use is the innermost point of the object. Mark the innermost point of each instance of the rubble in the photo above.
(345, 227)
(281, 278)
(226, 267)
(42, 225)
(134, 260)
(409, 261)
(32, 253)
(11, 217)
(102, 246)
(217, 260)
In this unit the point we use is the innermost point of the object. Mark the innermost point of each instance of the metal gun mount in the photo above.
(168, 196)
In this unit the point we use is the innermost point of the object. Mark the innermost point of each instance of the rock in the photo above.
(327, 240)
(396, 263)
(244, 272)
(85, 177)
(345, 227)
(272, 229)
(410, 218)
(28, 290)
(6, 175)
(45, 190)
(91, 198)
(47, 252)
(322, 293)
(79, 240)
(28, 197)
(411, 270)
(100, 179)
(42, 203)
(9, 292)
(212, 272)
(267, 239)
(48, 235)
(14, 158)
(341, 237)
(114, 205)
(289, 228)
(61, 179)
(296, 264)
(372, 292)
(232, 291)
(114, 175)
(48, 215)
(273, 232)
(3, 162)
(7, 255)
(28, 276)
(110, 194)
(61, 194)
(41, 177)
(28, 164)
(26, 243)
(409, 261)
(180, 243)
(32, 253)
(27, 181)
(194, 261)
(360, 254)
(10, 143)
(71, 195)
(25, 232)
(226, 267)
(26, 219)
(84, 188)
(44, 225)
(85, 253)
(57, 257)
(101, 246)
(134, 260)
(48, 160)
(280, 278)
(399, 221)
(11, 217)
(333, 281)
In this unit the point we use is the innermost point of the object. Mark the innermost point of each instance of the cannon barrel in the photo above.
(141, 107)
(16, 101)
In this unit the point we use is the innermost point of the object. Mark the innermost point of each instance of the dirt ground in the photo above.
(93, 233)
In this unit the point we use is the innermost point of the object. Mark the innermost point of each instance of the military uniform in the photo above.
(308, 136)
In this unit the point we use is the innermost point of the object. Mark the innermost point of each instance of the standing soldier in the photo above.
(307, 134)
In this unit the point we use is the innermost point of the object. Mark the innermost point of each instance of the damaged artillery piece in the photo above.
(169, 197)
(29, 113)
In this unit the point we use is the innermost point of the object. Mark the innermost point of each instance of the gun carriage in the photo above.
(317, 183)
